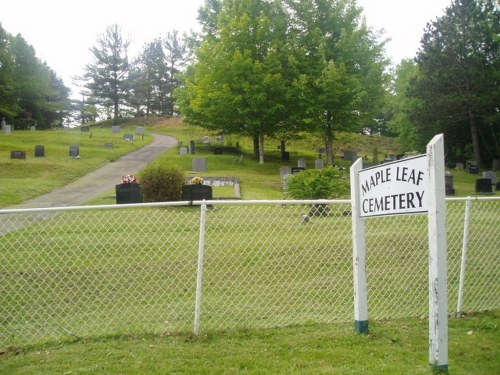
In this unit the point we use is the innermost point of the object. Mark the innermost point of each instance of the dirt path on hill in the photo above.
(103, 179)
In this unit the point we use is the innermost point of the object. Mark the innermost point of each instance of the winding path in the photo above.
(103, 179)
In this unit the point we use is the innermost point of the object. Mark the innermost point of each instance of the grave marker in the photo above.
(319, 164)
(200, 165)
(18, 154)
(301, 163)
(183, 150)
(115, 129)
(492, 176)
(74, 151)
(128, 137)
(39, 151)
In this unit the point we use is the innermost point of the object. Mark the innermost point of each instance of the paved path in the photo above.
(104, 179)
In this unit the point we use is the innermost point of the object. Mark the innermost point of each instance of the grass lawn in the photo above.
(90, 252)
(391, 347)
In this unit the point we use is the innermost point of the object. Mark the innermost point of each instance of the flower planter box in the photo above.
(196, 192)
(128, 193)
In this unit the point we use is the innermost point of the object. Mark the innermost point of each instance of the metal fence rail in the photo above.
(130, 269)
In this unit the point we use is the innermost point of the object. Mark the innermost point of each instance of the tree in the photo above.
(399, 106)
(458, 85)
(107, 76)
(149, 79)
(176, 53)
(343, 78)
(243, 71)
(8, 102)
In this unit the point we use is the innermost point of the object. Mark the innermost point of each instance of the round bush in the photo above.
(327, 183)
(160, 184)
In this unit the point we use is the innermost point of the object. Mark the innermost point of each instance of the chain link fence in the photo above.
(80, 272)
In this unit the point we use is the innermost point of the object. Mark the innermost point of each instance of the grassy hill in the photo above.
(26, 179)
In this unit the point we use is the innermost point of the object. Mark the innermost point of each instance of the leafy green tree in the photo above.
(8, 103)
(149, 79)
(107, 76)
(42, 98)
(399, 105)
(243, 71)
(458, 85)
(343, 78)
(176, 51)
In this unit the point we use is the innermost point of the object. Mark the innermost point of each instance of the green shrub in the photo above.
(160, 184)
(327, 183)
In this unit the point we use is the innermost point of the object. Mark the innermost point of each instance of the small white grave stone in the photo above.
(301, 163)
(200, 165)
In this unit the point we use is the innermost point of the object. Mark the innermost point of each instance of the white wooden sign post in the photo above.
(407, 186)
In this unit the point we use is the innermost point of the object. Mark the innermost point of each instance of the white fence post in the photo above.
(199, 278)
(359, 254)
(463, 264)
(438, 293)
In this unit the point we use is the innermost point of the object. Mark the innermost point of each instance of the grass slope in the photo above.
(391, 348)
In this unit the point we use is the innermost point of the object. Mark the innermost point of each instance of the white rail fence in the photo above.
(92, 271)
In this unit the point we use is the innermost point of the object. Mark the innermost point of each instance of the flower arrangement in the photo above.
(197, 181)
(129, 179)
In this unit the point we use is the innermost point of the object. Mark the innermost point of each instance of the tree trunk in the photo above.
(256, 148)
(329, 144)
(475, 138)
(261, 148)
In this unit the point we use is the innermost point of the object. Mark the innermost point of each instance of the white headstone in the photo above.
(200, 165)
(318, 164)
(301, 163)
(115, 129)
(183, 150)
(492, 176)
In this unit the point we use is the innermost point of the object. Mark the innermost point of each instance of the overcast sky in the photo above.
(62, 31)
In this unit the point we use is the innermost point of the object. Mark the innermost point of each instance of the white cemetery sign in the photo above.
(394, 188)
(414, 185)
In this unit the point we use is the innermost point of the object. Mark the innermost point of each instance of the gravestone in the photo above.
(448, 184)
(301, 163)
(32, 128)
(390, 157)
(128, 137)
(74, 151)
(109, 145)
(139, 130)
(295, 170)
(18, 154)
(350, 155)
(285, 171)
(115, 129)
(192, 147)
(200, 165)
(7, 129)
(483, 185)
(492, 176)
(459, 166)
(495, 164)
(319, 164)
(39, 151)
(183, 150)
(472, 167)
